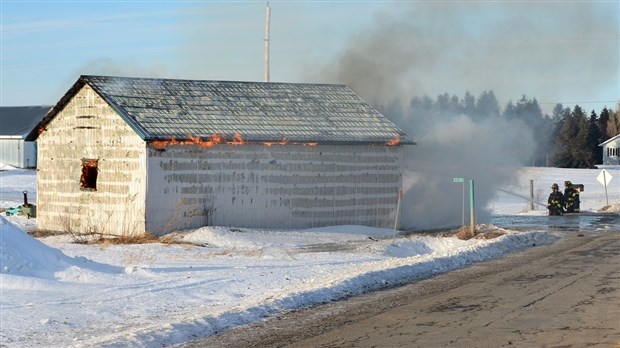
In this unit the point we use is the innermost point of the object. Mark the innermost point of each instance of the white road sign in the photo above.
(604, 178)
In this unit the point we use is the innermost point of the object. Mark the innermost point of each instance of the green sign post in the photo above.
(471, 208)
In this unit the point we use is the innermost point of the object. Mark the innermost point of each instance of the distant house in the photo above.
(124, 156)
(611, 150)
(16, 123)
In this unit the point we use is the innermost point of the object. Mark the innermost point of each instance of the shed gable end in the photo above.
(88, 130)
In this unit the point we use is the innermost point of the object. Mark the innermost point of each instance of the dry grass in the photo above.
(465, 233)
(137, 239)
(489, 235)
(108, 239)
(43, 234)
(95, 238)
(169, 239)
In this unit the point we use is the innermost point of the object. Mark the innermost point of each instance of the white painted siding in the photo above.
(16, 152)
(611, 151)
(88, 128)
(279, 186)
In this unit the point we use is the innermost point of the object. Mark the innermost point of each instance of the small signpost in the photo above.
(605, 178)
(462, 181)
(472, 222)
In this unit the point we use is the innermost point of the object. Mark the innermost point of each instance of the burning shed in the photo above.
(125, 155)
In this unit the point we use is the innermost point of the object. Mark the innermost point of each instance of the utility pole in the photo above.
(267, 20)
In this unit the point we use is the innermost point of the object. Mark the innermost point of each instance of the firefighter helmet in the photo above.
(568, 183)
(554, 186)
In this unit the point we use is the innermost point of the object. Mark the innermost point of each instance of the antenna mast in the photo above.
(267, 20)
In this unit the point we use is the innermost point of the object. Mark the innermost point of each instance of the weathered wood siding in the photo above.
(88, 128)
(279, 186)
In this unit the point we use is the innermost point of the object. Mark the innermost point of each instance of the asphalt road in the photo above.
(563, 295)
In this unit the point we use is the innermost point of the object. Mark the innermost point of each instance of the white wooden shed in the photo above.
(123, 155)
(611, 150)
(16, 123)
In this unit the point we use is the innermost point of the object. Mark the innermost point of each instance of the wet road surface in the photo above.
(587, 222)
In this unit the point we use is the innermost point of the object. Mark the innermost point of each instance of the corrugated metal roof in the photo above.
(160, 109)
(18, 121)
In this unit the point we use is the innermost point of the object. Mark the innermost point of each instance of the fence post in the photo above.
(531, 194)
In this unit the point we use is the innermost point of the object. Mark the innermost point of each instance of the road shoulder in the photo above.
(565, 293)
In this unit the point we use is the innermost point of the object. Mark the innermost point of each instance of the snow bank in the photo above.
(23, 255)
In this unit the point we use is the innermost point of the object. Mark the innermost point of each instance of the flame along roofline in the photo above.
(189, 140)
(145, 131)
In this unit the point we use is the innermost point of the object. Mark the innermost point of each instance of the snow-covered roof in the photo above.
(162, 109)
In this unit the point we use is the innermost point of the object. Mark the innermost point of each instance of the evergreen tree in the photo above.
(529, 112)
(510, 111)
(567, 138)
(557, 117)
(568, 128)
(443, 103)
(486, 106)
(469, 104)
(593, 138)
(580, 149)
(602, 124)
(456, 107)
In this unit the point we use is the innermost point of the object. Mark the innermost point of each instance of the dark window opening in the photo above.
(88, 180)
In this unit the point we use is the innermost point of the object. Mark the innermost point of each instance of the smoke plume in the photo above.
(429, 48)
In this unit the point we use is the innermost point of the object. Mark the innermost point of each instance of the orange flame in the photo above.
(283, 142)
(215, 139)
(161, 144)
(212, 140)
(237, 139)
(394, 141)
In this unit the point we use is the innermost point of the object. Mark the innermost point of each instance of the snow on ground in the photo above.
(55, 293)
(592, 198)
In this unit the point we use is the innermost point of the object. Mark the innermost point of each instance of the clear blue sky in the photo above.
(567, 52)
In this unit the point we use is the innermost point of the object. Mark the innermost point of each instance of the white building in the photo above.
(17, 122)
(611, 150)
(133, 155)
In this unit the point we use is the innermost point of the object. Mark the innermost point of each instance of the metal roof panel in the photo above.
(160, 109)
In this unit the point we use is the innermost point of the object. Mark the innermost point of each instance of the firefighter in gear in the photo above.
(555, 203)
(571, 198)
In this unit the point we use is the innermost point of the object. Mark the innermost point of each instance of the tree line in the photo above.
(568, 138)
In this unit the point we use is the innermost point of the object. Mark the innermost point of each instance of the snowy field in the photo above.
(58, 294)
